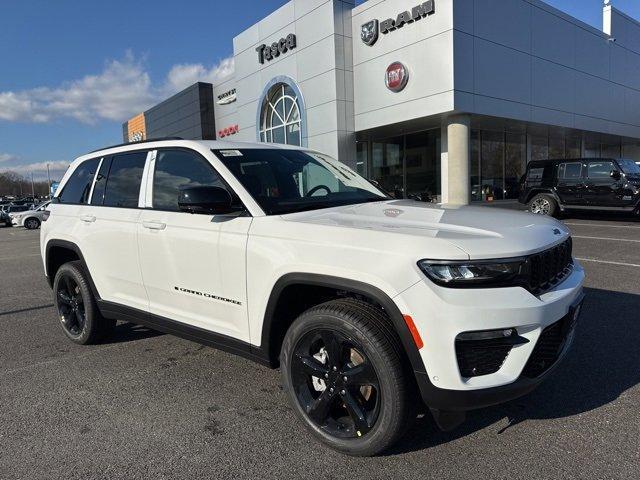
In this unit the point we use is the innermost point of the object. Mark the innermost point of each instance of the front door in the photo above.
(601, 189)
(570, 187)
(193, 265)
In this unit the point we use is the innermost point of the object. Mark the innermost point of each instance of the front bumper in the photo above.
(441, 314)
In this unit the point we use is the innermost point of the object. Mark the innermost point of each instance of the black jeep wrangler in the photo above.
(552, 186)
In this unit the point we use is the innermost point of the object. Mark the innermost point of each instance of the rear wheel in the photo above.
(77, 310)
(543, 204)
(31, 223)
(342, 370)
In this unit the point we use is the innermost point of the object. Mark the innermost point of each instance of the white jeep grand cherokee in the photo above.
(372, 307)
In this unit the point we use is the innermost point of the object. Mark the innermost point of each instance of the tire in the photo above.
(31, 223)
(378, 390)
(79, 316)
(544, 204)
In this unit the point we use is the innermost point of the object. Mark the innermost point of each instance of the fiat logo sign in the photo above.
(396, 77)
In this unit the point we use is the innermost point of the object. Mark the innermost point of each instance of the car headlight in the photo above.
(483, 273)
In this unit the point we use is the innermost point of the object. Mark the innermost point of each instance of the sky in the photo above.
(71, 72)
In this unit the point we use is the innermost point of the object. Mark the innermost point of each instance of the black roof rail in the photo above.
(159, 139)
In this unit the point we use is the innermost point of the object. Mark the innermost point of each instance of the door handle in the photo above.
(88, 218)
(154, 225)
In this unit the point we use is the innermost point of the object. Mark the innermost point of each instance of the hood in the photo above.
(481, 232)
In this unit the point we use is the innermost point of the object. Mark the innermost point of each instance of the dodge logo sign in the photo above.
(396, 77)
(369, 32)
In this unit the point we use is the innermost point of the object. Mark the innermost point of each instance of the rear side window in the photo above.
(101, 182)
(78, 187)
(123, 183)
(176, 169)
(570, 171)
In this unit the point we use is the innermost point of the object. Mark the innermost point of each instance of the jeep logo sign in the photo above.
(396, 77)
(369, 31)
(276, 49)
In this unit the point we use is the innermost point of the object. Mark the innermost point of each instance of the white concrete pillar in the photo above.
(456, 159)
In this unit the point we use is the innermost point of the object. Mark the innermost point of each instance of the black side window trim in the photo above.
(233, 193)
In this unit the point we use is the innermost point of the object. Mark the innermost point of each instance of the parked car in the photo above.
(372, 307)
(9, 211)
(30, 219)
(554, 186)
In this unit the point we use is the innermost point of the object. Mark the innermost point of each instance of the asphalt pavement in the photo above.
(147, 405)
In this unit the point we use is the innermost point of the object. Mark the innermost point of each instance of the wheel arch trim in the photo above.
(65, 244)
(353, 286)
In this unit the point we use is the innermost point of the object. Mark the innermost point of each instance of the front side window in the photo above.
(570, 171)
(287, 181)
(599, 170)
(78, 187)
(122, 187)
(176, 169)
(629, 167)
(280, 117)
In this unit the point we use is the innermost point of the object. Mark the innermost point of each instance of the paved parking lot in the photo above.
(147, 405)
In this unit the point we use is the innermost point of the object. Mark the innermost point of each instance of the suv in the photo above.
(31, 218)
(372, 307)
(552, 186)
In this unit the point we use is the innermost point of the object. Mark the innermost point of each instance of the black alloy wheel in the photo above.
(346, 378)
(78, 313)
(71, 306)
(31, 223)
(335, 383)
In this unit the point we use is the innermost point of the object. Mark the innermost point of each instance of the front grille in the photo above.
(481, 357)
(547, 269)
(549, 347)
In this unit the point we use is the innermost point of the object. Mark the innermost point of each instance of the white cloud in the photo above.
(39, 169)
(183, 75)
(123, 89)
(7, 157)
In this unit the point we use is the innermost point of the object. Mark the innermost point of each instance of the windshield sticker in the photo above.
(230, 153)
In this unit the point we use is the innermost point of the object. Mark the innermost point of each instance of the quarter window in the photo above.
(570, 171)
(78, 187)
(600, 169)
(176, 169)
(123, 184)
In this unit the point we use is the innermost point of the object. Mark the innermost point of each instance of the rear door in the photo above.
(108, 229)
(570, 187)
(601, 189)
(193, 265)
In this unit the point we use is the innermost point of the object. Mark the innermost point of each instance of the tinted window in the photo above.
(123, 183)
(101, 182)
(176, 169)
(600, 169)
(78, 187)
(570, 171)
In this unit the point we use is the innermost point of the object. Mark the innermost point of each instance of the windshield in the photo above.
(287, 181)
(629, 167)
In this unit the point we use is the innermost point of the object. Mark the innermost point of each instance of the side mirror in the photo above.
(615, 174)
(207, 200)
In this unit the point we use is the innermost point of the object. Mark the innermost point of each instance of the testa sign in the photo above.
(282, 46)
(369, 32)
(396, 77)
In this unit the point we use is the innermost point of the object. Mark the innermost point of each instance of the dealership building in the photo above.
(441, 100)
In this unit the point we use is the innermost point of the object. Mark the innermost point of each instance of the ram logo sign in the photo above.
(370, 31)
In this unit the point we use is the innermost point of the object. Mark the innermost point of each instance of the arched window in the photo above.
(281, 116)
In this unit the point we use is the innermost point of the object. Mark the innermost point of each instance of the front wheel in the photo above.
(343, 373)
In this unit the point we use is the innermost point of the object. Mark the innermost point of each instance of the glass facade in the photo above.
(408, 166)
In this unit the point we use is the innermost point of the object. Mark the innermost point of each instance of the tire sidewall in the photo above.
(389, 405)
(90, 324)
(553, 205)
